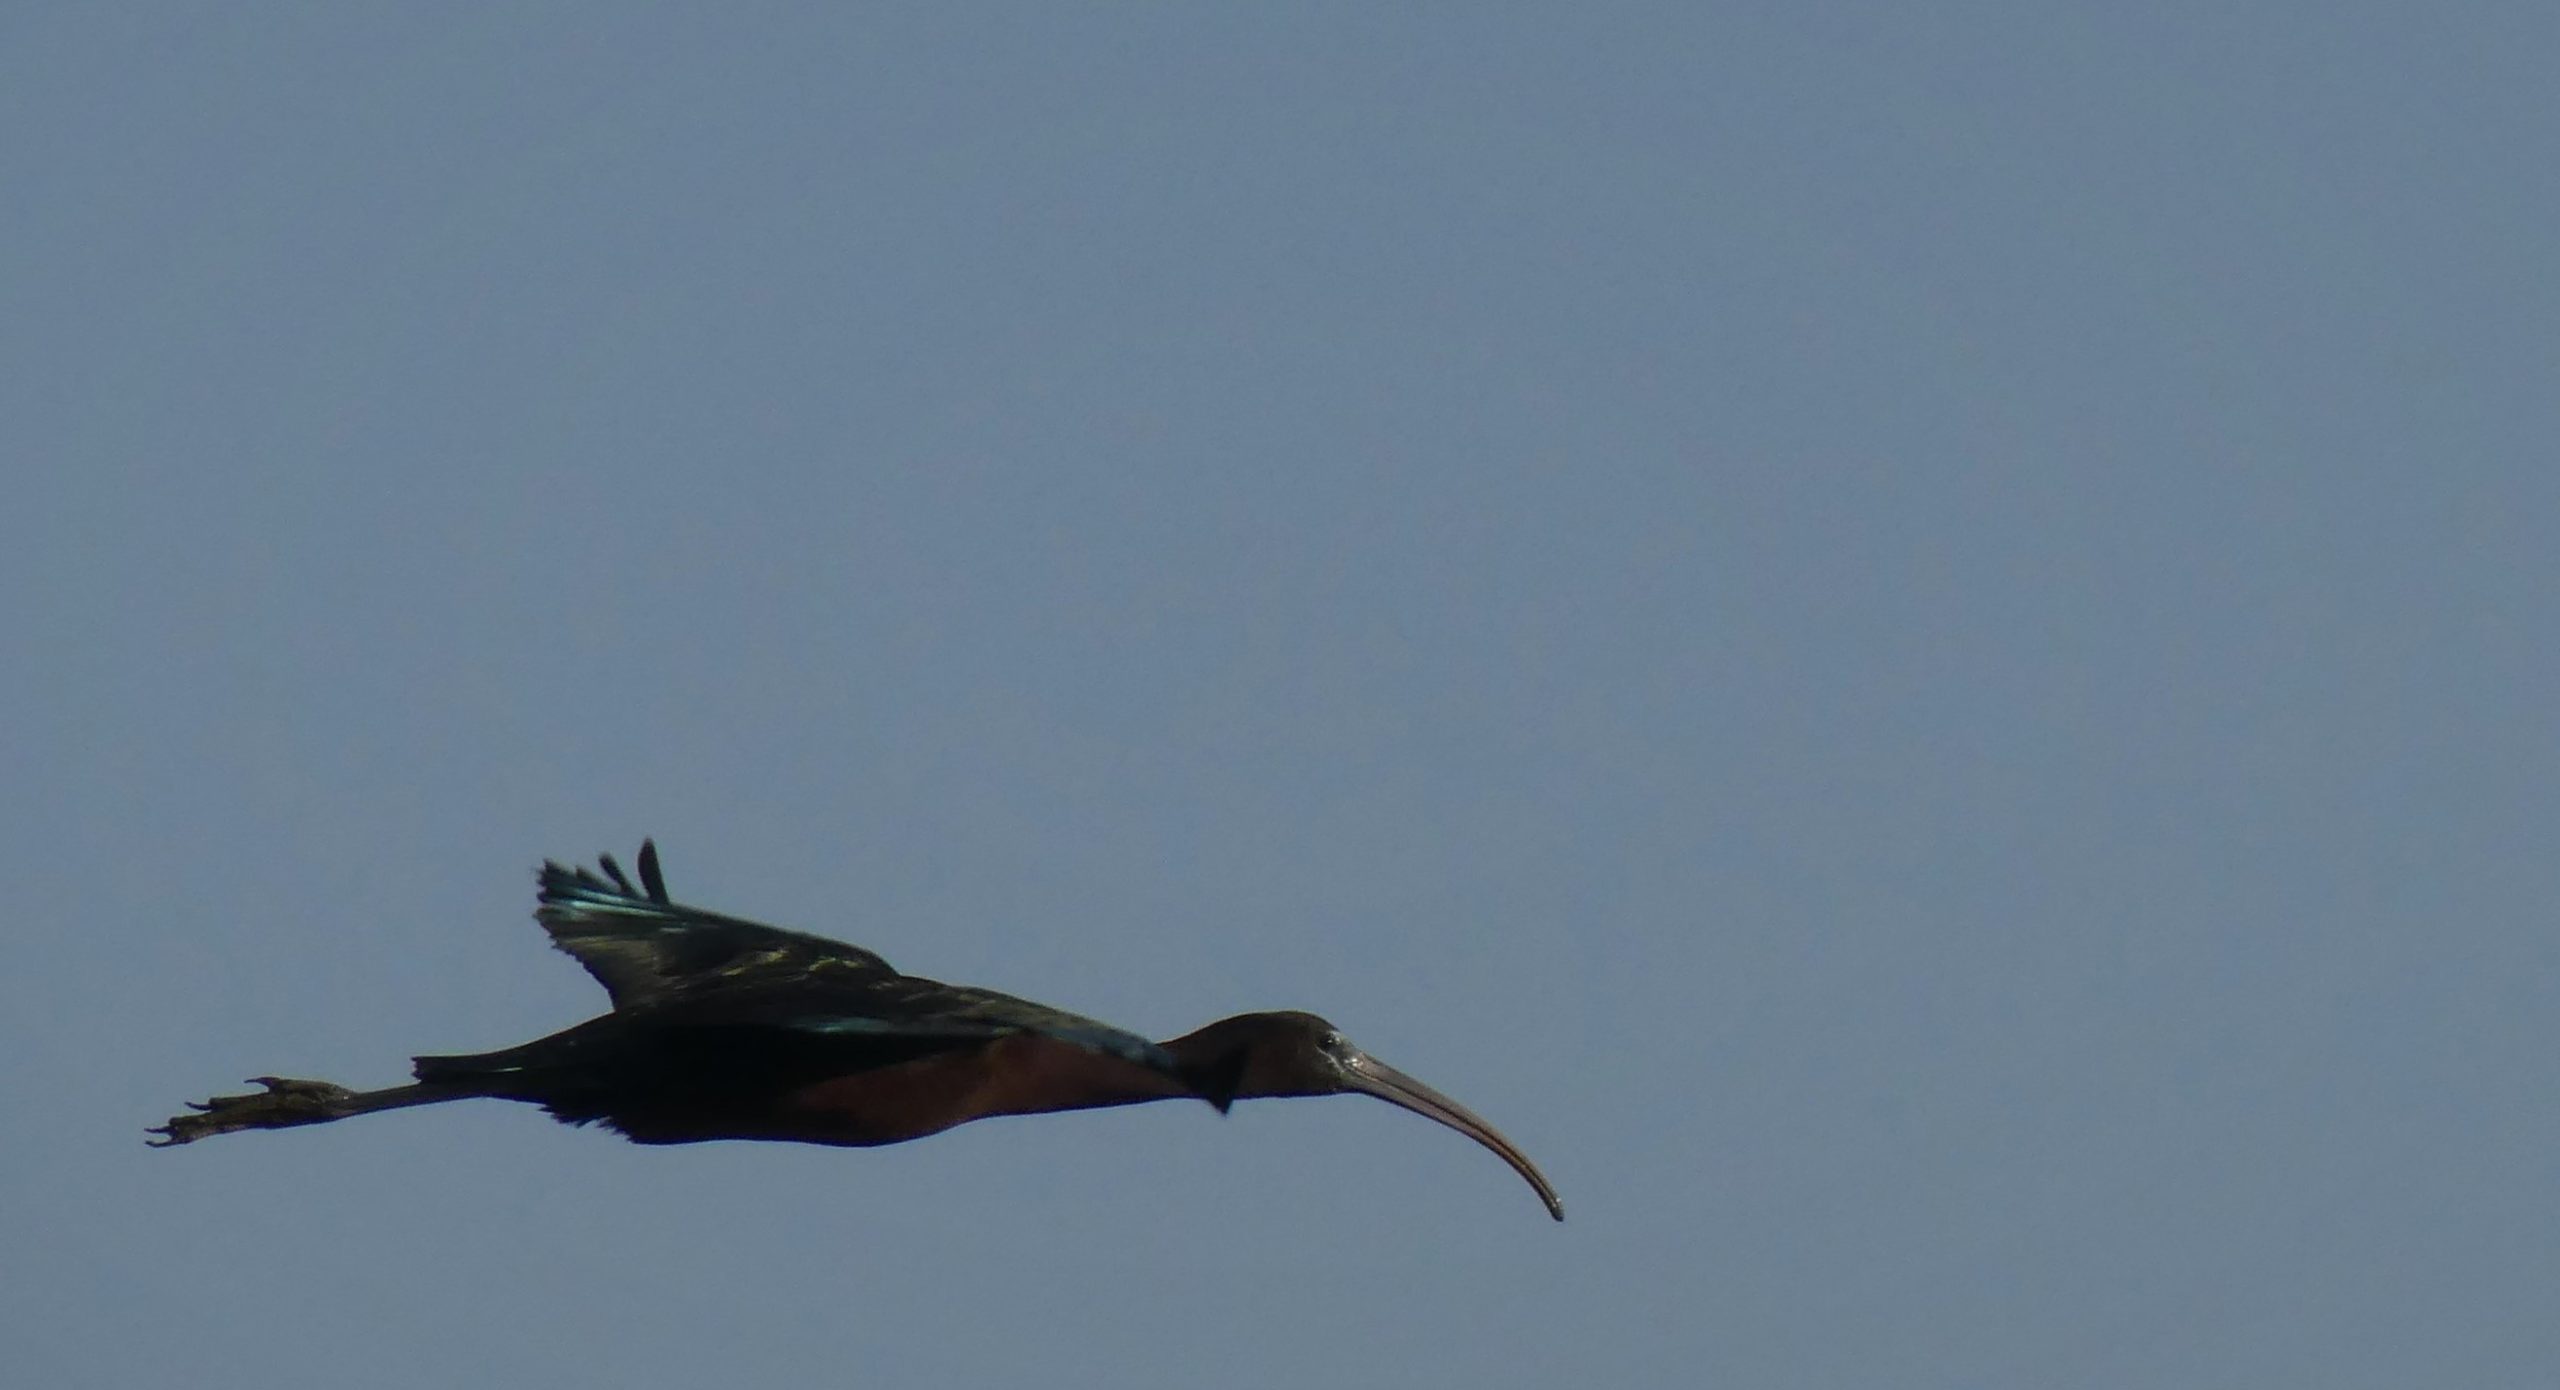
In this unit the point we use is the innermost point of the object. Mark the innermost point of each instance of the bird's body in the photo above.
(728, 1029)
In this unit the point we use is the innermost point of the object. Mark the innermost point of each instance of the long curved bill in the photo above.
(1371, 1077)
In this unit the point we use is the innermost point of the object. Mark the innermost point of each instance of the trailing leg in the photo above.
(287, 1102)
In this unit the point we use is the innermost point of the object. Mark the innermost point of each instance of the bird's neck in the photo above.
(1225, 1061)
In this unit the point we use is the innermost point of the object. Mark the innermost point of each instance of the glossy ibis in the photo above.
(729, 1029)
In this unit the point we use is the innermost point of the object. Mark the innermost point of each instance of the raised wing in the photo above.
(645, 948)
(679, 969)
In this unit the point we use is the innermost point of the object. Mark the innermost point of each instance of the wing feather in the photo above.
(644, 947)
(674, 967)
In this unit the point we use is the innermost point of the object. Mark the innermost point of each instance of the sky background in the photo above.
(1916, 642)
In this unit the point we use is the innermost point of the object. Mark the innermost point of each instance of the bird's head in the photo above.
(1293, 1053)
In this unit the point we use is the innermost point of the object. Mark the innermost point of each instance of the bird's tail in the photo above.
(488, 1072)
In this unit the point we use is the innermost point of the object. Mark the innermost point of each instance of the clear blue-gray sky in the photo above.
(1917, 642)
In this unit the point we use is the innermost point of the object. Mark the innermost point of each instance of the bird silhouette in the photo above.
(723, 1028)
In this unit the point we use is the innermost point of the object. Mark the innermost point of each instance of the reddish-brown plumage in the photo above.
(728, 1029)
(1024, 1074)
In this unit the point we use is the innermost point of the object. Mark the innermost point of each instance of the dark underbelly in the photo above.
(1014, 1075)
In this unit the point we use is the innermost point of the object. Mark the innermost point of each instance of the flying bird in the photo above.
(723, 1028)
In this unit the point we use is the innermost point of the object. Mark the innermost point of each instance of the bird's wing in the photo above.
(645, 948)
(754, 1033)
(675, 967)
(907, 1011)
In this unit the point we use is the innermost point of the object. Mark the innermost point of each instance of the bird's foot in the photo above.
(284, 1103)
